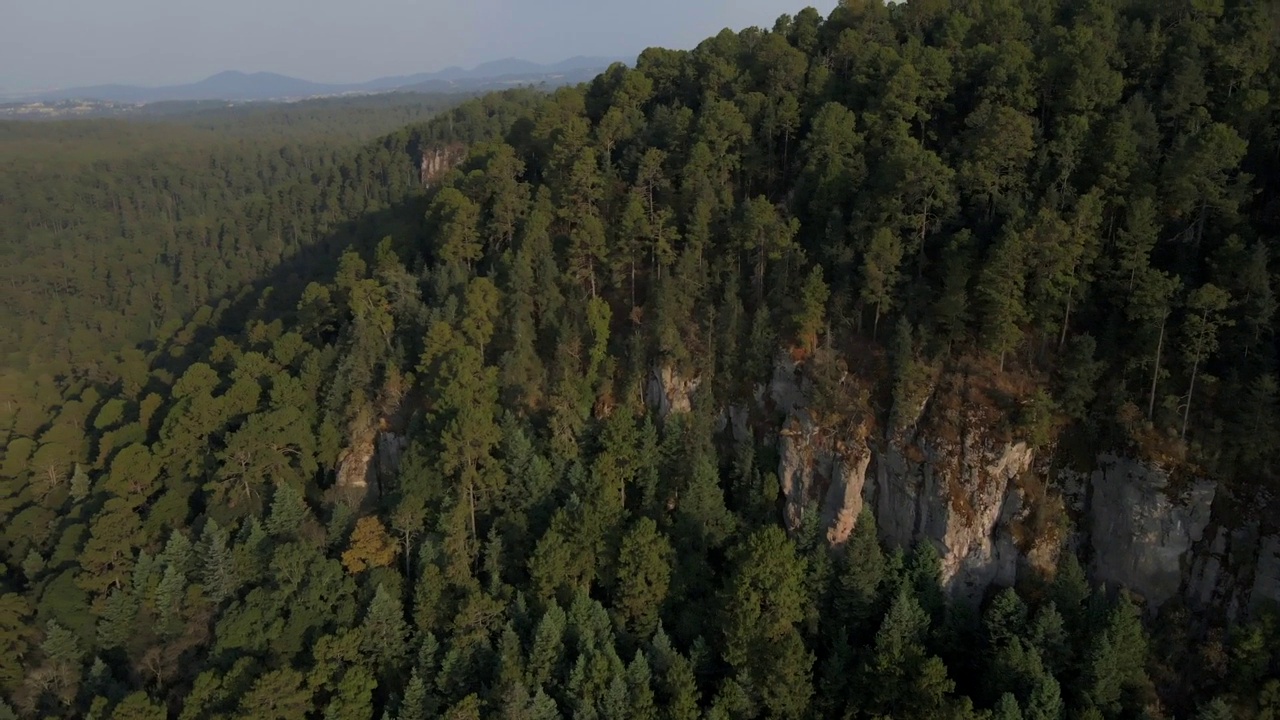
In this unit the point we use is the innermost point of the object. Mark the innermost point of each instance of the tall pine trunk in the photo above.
(1195, 368)
(1186, 409)
(1155, 371)
(1066, 321)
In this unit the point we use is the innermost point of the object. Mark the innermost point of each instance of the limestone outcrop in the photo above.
(438, 160)
(954, 473)
(1141, 529)
(669, 391)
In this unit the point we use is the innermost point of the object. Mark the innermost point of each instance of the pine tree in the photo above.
(1257, 299)
(880, 275)
(1007, 708)
(1258, 418)
(787, 691)
(732, 701)
(32, 565)
(547, 652)
(456, 218)
(1070, 591)
(640, 700)
(1006, 619)
(116, 625)
(1205, 308)
(217, 566)
(384, 630)
(170, 592)
(64, 656)
(764, 603)
(998, 144)
(1078, 373)
(138, 706)
(1216, 709)
(811, 310)
(415, 704)
(1048, 635)
(1045, 701)
(896, 675)
(288, 513)
(644, 575)
(953, 307)
(763, 235)
(543, 707)
(861, 572)
(510, 665)
(353, 699)
(924, 577)
(1000, 294)
(1134, 243)
(1115, 673)
(80, 484)
(675, 685)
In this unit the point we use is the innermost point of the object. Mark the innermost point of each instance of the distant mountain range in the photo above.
(235, 85)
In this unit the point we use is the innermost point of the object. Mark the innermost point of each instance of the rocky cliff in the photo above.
(375, 444)
(1235, 569)
(438, 160)
(1138, 526)
(956, 473)
(371, 459)
(948, 476)
(670, 391)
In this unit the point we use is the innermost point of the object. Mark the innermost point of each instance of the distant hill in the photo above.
(230, 85)
(235, 85)
(491, 73)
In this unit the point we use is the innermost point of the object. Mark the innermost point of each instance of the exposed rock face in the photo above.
(962, 495)
(1141, 531)
(737, 419)
(843, 503)
(391, 447)
(1266, 576)
(438, 160)
(820, 469)
(955, 477)
(822, 474)
(371, 459)
(1234, 570)
(355, 466)
(965, 499)
(784, 391)
(668, 391)
(1206, 571)
(951, 474)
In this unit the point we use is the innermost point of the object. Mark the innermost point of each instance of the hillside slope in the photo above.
(840, 370)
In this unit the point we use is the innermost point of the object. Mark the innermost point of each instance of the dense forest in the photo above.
(116, 231)
(296, 431)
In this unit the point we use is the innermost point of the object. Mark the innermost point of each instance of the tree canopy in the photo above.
(306, 425)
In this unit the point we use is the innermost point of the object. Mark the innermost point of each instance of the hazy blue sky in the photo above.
(46, 43)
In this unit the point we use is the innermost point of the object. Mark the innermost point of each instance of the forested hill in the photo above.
(431, 478)
(115, 232)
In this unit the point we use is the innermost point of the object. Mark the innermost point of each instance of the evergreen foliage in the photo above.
(294, 430)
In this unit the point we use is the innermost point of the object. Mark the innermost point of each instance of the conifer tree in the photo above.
(1205, 307)
(880, 273)
(1000, 292)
